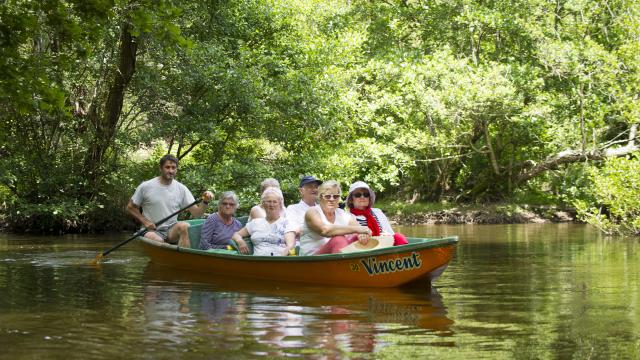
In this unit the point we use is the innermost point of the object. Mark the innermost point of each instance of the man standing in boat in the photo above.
(161, 197)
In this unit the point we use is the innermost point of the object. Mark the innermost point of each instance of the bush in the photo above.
(63, 203)
(614, 197)
(63, 216)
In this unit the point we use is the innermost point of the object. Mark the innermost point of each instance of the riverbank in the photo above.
(474, 214)
(434, 214)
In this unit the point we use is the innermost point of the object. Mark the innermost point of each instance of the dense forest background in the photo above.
(457, 101)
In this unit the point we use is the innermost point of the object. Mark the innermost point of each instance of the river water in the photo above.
(511, 291)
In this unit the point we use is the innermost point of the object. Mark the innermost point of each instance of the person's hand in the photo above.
(149, 225)
(364, 230)
(242, 245)
(207, 196)
(287, 251)
(364, 238)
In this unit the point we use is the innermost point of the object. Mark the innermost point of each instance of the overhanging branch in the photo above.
(573, 156)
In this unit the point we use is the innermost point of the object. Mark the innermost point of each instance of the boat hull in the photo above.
(389, 267)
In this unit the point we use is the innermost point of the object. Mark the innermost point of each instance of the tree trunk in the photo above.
(492, 155)
(106, 122)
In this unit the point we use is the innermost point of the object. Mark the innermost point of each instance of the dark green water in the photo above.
(512, 291)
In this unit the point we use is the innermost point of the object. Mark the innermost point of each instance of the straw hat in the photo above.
(375, 243)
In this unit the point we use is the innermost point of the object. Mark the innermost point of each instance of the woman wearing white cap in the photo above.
(360, 202)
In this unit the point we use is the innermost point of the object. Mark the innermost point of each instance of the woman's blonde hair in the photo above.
(327, 185)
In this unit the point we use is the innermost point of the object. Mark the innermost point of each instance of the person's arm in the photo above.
(315, 223)
(207, 233)
(290, 241)
(294, 221)
(134, 211)
(294, 231)
(198, 209)
(385, 225)
(256, 212)
(362, 237)
(237, 237)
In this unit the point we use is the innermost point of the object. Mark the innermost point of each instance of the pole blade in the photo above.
(97, 260)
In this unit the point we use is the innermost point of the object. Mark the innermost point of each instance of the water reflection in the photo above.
(512, 291)
(287, 318)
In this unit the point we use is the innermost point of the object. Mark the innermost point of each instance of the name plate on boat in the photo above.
(373, 266)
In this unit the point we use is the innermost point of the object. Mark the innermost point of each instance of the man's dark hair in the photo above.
(168, 157)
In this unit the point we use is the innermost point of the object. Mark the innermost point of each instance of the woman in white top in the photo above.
(267, 233)
(325, 225)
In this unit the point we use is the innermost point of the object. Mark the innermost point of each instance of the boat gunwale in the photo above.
(430, 243)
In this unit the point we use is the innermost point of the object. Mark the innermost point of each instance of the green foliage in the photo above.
(509, 210)
(439, 101)
(56, 203)
(533, 196)
(614, 206)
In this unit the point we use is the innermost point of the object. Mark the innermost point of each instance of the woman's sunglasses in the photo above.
(331, 196)
(359, 195)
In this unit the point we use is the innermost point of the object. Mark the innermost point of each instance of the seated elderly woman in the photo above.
(360, 203)
(267, 233)
(326, 226)
(220, 226)
(258, 210)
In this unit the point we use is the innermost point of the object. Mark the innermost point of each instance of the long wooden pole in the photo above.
(99, 257)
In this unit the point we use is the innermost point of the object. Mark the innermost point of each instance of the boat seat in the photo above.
(249, 245)
(243, 220)
(195, 226)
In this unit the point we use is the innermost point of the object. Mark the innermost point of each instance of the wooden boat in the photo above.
(420, 260)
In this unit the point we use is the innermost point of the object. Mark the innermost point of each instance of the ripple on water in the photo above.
(71, 258)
